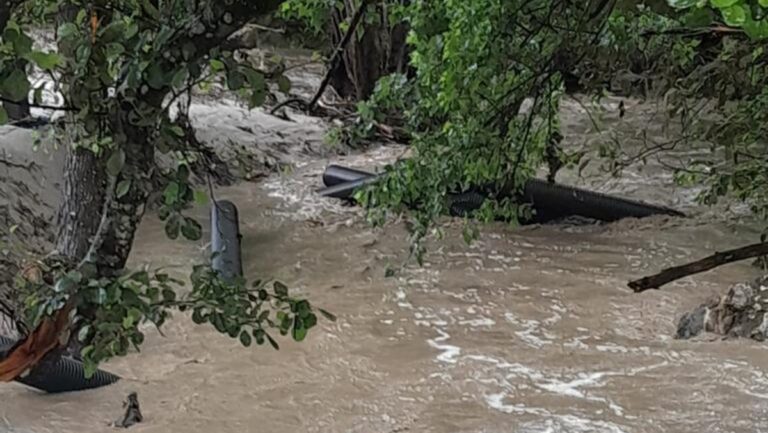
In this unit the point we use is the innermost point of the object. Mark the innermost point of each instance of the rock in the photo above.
(691, 324)
(741, 313)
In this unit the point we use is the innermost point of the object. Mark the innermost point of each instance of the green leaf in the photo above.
(255, 79)
(89, 366)
(82, 335)
(45, 61)
(151, 9)
(720, 4)
(258, 334)
(216, 65)
(65, 284)
(16, 86)
(155, 76)
(280, 289)
(283, 84)
(257, 99)
(201, 197)
(111, 32)
(66, 30)
(763, 3)
(197, 316)
(114, 49)
(173, 227)
(179, 78)
(127, 322)
(171, 193)
(142, 277)
(235, 80)
(116, 162)
(3, 116)
(169, 295)
(122, 188)
(245, 339)
(734, 15)
(299, 331)
(75, 276)
(192, 229)
(756, 29)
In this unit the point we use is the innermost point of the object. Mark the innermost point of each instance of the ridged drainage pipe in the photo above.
(550, 201)
(65, 375)
(225, 240)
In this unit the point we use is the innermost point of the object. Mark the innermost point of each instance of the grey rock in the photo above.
(742, 312)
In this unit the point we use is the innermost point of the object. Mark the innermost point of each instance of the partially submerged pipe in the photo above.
(225, 240)
(64, 375)
(549, 201)
(336, 174)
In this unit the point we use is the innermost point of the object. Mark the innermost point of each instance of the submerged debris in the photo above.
(132, 412)
(741, 312)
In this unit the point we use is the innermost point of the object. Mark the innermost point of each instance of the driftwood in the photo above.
(720, 258)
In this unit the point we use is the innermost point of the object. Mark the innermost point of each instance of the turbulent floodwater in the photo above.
(526, 330)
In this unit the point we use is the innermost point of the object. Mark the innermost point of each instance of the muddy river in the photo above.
(527, 330)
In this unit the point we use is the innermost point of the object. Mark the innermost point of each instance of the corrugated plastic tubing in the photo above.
(550, 201)
(65, 375)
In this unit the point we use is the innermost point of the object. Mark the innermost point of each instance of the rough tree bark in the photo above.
(380, 51)
(84, 191)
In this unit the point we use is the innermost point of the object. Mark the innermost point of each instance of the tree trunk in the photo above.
(123, 214)
(380, 51)
(79, 213)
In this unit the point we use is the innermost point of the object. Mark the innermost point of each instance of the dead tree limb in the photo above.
(720, 258)
(336, 57)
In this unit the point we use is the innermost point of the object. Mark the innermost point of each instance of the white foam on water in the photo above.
(570, 424)
(450, 352)
(479, 322)
(532, 334)
(496, 401)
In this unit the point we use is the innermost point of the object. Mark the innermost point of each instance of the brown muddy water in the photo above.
(526, 330)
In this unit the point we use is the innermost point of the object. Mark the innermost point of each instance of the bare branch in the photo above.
(718, 259)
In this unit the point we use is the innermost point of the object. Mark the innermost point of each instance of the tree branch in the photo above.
(688, 32)
(721, 258)
(42, 106)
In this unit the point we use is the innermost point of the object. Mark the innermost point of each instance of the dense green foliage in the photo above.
(477, 61)
(122, 67)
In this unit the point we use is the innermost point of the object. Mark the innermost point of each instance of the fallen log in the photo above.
(718, 259)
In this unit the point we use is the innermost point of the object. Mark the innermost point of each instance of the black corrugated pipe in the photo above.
(549, 201)
(225, 240)
(64, 375)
